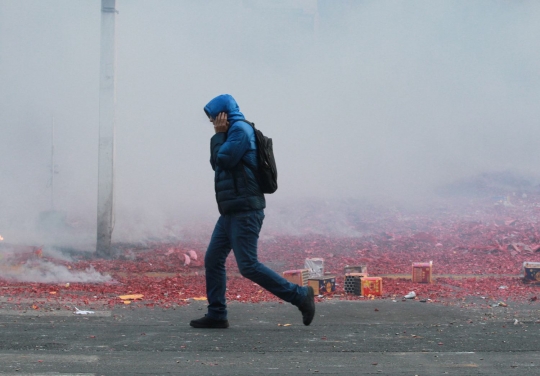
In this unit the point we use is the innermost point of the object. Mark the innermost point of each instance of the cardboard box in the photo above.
(315, 267)
(371, 286)
(323, 285)
(422, 272)
(298, 276)
(531, 272)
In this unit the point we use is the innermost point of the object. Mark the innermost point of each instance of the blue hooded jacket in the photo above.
(233, 156)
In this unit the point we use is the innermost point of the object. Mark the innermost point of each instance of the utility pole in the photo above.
(52, 163)
(107, 102)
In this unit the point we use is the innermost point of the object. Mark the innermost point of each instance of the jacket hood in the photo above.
(224, 103)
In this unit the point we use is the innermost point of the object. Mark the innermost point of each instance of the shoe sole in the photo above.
(220, 326)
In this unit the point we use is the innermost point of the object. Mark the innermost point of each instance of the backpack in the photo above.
(267, 171)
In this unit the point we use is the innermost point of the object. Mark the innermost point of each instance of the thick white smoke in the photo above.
(42, 265)
(372, 101)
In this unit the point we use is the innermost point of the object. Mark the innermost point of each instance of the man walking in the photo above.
(233, 156)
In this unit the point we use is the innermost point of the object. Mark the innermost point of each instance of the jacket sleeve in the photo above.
(215, 143)
(228, 150)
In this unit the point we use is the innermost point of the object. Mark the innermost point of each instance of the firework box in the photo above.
(349, 269)
(371, 286)
(298, 276)
(421, 272)
(531, 272)
(323, 285)
(315, 267)
(352, 283)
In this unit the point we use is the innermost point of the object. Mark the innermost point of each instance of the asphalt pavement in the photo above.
(375, 337)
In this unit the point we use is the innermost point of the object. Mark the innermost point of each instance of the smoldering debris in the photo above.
(474, 253)
(42, 271)
(28, 264)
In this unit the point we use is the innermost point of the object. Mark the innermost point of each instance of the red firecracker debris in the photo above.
(474, 255)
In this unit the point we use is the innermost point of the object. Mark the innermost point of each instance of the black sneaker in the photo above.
(207, 322)
(307, 307)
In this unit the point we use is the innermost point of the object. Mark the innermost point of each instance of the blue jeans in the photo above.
(240, 232)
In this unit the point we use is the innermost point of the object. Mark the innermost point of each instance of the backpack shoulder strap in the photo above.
(253, 126)
(249, 122)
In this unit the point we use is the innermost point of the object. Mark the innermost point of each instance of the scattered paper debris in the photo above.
(410, 295)
(81, 312)
(131, 297)
(187, 260)
(192, 254)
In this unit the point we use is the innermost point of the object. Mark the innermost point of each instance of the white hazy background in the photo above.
(382, 101)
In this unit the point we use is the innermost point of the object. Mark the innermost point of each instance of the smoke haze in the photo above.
(48, 272)
(31, 264)
(376, 101)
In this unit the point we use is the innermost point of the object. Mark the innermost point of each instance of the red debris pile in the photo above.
(478, 254)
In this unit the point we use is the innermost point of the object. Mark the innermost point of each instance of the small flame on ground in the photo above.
(1, 238)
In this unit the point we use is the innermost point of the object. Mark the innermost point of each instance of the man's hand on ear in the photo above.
(220, 123)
